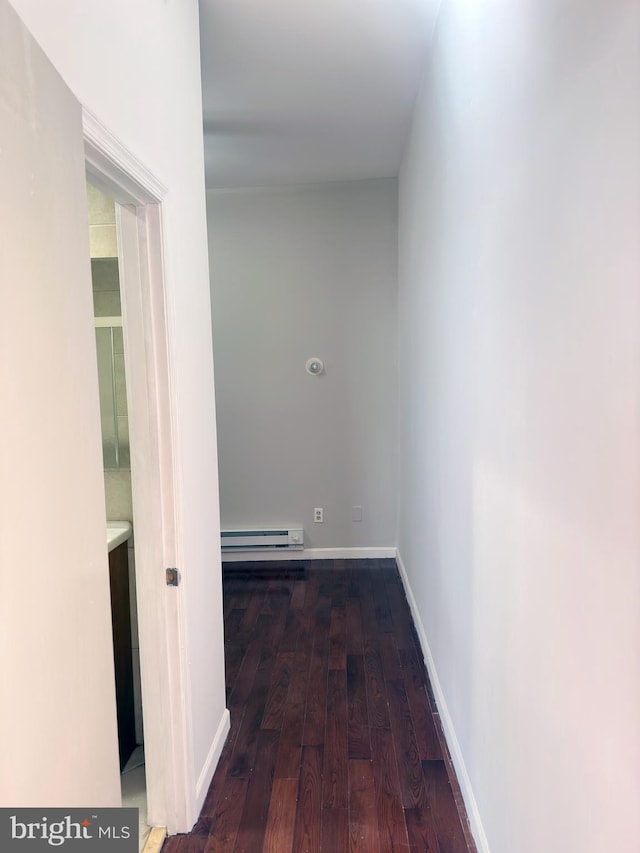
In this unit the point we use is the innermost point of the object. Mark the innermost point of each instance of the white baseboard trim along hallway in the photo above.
(312, 554)
(447, 723)
(206, 775)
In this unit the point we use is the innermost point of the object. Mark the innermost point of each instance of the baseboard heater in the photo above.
(283, 539)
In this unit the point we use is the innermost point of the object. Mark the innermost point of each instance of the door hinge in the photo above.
(173, 577)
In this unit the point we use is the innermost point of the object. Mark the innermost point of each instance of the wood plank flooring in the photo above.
(335, 744)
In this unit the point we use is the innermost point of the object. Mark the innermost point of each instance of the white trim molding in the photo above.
(375, 553)
(106, 157)
(447, 723)
(213, 756)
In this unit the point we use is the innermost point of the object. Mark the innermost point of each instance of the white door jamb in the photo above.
(164, 673)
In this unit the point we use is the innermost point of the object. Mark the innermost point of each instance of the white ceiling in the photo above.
(309, 90)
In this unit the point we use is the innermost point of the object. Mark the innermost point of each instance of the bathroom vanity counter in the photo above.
(117, 533)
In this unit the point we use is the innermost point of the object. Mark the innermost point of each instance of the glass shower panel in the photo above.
(106, 384)
(124, 460)
(124, 456)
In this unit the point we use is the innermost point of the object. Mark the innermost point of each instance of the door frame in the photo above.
(164, 674)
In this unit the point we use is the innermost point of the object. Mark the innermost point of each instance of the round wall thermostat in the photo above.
(314, 366)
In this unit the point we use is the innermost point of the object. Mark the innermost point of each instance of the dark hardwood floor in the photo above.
(335, 741)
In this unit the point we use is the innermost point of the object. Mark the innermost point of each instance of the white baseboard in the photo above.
(447, 723)
(311, 554)
(206, 775)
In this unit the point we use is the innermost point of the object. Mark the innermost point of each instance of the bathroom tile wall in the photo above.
(117, 489)
(102, 224)
(106, 287)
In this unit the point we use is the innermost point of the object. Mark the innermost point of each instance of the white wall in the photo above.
(57, 714)
(298, 272)
(137, 68)
(520, 416)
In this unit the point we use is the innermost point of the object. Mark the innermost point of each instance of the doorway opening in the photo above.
(165, 719)
(112, 386)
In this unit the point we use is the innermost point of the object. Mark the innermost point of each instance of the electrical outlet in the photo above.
(356, 513)
(318, 515)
